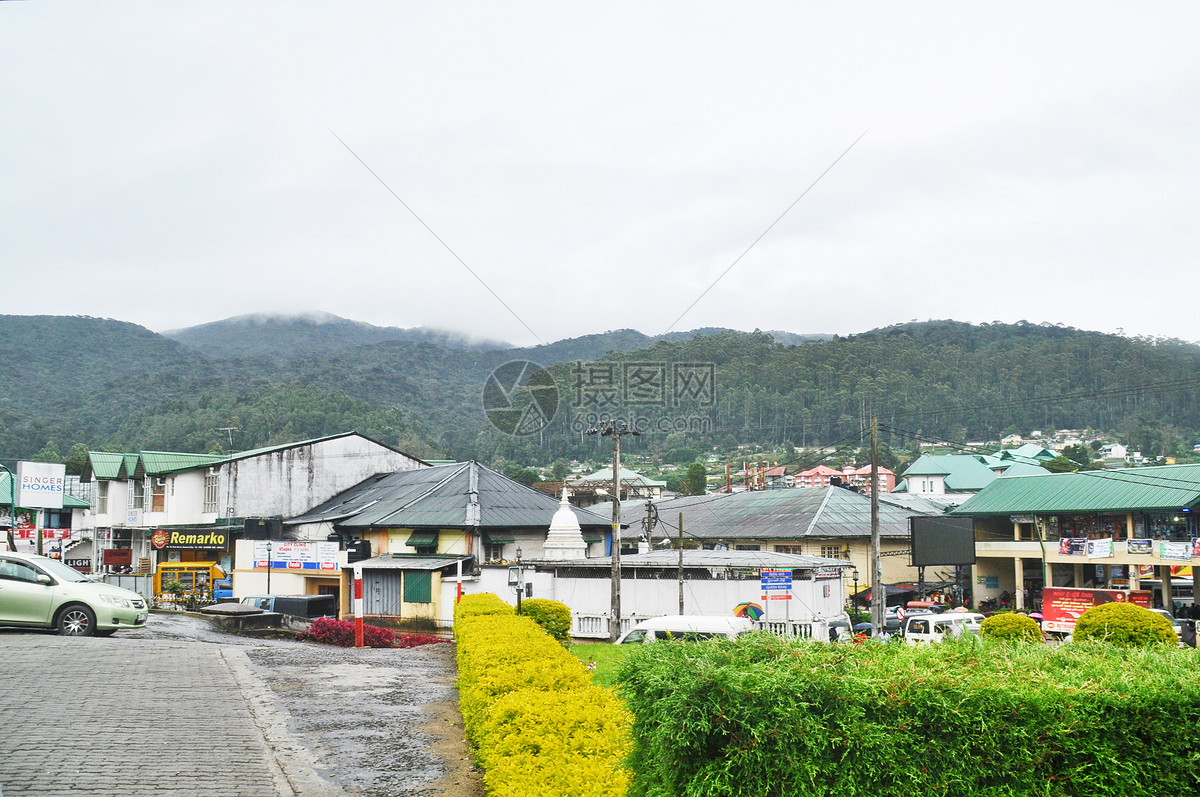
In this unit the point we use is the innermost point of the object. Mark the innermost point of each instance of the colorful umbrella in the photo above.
(751, 611)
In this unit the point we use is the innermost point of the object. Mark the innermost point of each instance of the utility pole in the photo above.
(616, 431)
(878, 595)
(681, 562)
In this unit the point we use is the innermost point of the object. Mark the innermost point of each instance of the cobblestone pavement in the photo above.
(178, 708)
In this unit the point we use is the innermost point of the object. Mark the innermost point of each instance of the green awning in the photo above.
(593, 536)
(422, 539)
(499, 537)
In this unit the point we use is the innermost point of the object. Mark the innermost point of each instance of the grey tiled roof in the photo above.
(461, 495)
(785, 514)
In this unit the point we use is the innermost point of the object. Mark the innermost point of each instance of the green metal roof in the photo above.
(963, 472)
(1128, 489)
(156, 463)
(108, 465)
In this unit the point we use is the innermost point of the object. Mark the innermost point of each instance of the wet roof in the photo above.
(1167, 487)
(460, 495)
(784, 514)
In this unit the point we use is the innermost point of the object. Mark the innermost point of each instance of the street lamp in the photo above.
(517, 579)
(268, 567)
(854, 595)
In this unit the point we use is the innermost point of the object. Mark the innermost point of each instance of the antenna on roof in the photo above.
(229, 430)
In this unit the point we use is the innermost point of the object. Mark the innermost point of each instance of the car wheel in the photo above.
(77, 620)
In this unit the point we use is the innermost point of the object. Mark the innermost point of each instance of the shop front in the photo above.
(191, 558)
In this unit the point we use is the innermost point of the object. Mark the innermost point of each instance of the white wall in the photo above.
(294, 480)
(643, 598)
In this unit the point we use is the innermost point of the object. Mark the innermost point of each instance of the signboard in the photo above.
(1139, 546)
(82, 565)
(776, 585)
(1175, 550)
(116, 557)
(941, 541)
(41, 485)
(286, 555)
(1061, 606)
(1073, 546)
(190, 539)
(1100, 549)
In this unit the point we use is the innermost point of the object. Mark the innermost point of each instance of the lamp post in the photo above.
(854, 595)
(268, 567)
(516, 578)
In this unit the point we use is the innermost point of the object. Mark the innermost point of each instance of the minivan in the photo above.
(686, 627)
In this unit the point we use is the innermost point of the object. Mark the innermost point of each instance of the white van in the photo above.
(686, 627)
(924, 628)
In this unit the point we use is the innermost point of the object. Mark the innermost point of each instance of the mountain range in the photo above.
(68, 381)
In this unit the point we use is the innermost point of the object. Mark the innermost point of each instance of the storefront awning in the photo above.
(422, 539)
(498, 537)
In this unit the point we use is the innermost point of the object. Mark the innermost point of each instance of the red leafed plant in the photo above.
(413, 640)
(329, 631)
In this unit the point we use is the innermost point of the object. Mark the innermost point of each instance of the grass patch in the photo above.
(606, 657)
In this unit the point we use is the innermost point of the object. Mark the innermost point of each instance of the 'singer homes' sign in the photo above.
(40, 485)
(190, 539)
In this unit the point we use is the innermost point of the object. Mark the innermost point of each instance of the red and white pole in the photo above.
(358, 606)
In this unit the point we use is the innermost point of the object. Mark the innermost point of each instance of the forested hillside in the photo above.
(111, 385)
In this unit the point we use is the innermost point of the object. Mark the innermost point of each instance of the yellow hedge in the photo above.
(537, 723)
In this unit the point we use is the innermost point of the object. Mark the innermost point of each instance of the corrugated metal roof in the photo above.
(413, 561)
(158, 463)
(462, 495)
(696, 558)
(963, 472)
(786, 514)
(603, 477)
(108, 465)
(1166, 487)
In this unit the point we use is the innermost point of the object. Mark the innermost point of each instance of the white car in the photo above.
(686, 627)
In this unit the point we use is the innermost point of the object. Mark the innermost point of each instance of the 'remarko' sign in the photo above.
(189, 539)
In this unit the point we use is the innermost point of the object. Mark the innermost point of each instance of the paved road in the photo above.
(178, 709)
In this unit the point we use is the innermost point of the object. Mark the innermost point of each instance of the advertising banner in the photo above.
(1100, 549)
(286, 555)
(1175, 550)
(1139, 546)
(1073, 546)
(41, 484)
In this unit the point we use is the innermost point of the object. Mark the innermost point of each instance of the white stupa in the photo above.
(565, 539)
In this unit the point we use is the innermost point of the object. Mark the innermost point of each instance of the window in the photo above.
(58, 519)
(418, 587)
(788, 549)
(102, 498)
(493, 552)
(210, 492)
(137, 494)
(747, 548)
(17, 571)
(831, 551)
(158, 495)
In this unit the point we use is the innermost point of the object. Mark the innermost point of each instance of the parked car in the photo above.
(308, 607)
(686, 627)
(923, 628)
(40, 592)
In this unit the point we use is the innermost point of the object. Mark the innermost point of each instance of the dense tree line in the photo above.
(109, 385)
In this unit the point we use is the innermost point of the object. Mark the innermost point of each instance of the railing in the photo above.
(596, 626)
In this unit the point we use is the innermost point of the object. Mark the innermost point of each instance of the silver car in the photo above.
(40, 592)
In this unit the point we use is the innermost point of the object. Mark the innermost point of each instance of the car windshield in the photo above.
(61, 571)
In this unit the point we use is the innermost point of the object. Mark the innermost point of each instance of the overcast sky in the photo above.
(600, 165)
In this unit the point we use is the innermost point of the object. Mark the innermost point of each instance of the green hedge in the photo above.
(1010, 627)
(553, 616)
(537, 724)
(1125, 624)
(764, 717)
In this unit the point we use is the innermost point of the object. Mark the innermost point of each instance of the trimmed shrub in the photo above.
(1010, 627)
(537, 724)
(767, 717)
(480, 603)
(554, 617)
(329, 631)
(1125, 624)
